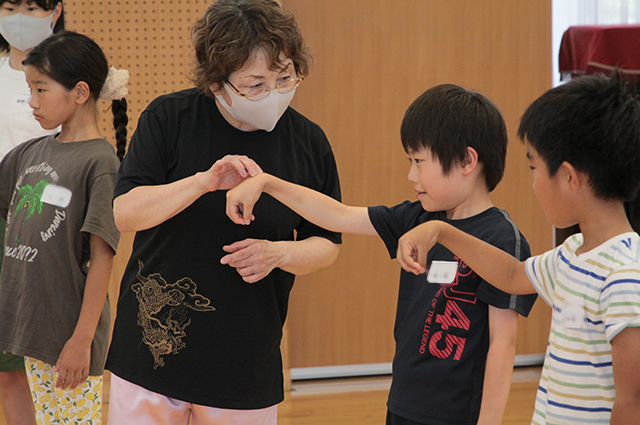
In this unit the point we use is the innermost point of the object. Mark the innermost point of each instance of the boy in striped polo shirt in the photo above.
(583, 145)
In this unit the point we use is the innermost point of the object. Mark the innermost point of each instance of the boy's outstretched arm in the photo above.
(626, 374)
(316, 207)
(494, 265)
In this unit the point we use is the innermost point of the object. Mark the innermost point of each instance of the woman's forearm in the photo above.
(145, 207)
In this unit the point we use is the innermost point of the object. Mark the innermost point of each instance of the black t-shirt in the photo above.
(442, 332)
(187, 326)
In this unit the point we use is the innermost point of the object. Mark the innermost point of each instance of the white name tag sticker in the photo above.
(442, 272)
(571, 315)
(56, 195)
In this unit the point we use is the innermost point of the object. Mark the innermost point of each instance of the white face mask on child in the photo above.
(262, 114)
(25, 32)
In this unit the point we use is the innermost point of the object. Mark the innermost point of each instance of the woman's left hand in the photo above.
(252, 258)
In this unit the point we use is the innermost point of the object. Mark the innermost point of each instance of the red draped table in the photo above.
(590, 49)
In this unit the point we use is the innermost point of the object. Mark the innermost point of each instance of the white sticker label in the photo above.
(442, 272)
(56, 195)
(571, 315)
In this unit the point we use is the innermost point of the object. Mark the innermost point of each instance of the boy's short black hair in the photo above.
(593, 123)
(447, 119)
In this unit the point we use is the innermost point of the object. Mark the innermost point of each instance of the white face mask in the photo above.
(262, 114)
(25, 32)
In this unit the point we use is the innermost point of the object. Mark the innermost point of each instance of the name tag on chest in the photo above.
(56, 195)
(442, 272)
(571, 315)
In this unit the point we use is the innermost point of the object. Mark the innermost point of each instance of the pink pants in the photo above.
(130, 404)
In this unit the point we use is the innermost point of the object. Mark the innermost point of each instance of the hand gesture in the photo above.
(228, 172)
(414, 246)
(253, 259)
(242, 198)
(73, 364)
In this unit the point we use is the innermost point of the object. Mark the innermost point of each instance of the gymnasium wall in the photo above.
(372, 58)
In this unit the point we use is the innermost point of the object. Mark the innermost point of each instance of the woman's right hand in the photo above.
(228, 172)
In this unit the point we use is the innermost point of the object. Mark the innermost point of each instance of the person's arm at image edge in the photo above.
(494, 265)
(144, 207)
(503, 331)
(316, 207)
(626, 374)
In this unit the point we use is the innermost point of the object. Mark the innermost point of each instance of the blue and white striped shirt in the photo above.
(594, 296)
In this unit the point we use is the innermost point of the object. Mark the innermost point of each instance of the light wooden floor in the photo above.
(362, 401)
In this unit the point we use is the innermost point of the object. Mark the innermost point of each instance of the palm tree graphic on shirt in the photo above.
(30, 202)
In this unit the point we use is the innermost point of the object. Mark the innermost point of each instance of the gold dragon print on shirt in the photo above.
(163, 312)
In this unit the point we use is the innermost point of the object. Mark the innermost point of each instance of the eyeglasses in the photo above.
(261, 91)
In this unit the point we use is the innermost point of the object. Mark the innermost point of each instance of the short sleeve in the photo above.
(513, 243)
(500, 299)
(7, 172)
(99, 218)
(393, 222)
(620, 300)
(147, 159)
(541, 272)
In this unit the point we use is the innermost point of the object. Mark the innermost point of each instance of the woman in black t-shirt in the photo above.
(202, 300)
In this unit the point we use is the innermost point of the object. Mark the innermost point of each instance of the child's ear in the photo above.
(82, 92)
(572, 177)
(470, 161)
(57, 12)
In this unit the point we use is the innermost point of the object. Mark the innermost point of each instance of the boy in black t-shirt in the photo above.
(454, 342)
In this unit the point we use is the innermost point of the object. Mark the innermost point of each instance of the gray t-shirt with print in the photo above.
(53, 196)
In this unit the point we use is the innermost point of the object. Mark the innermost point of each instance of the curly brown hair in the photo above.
(230, 32)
